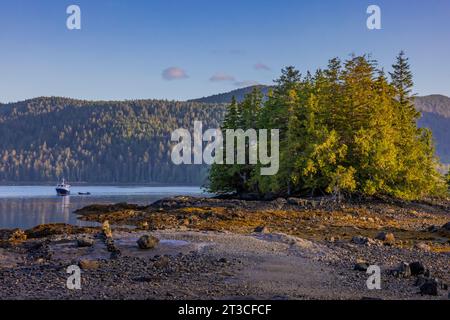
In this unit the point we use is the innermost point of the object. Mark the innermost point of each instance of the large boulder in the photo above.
(85, 242)
(147, 242)
(361, 266)
(403, 270)
(430, 287)
(417, 268)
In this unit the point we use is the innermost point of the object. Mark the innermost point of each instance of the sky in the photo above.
(183, 49)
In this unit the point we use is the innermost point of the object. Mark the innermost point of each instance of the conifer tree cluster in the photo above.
(347, 129)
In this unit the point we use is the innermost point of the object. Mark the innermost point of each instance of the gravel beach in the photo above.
(191, 263)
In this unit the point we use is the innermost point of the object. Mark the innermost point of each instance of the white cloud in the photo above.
(174, 73)
(262, 66)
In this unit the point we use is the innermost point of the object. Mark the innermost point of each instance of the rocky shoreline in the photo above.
(209, 248)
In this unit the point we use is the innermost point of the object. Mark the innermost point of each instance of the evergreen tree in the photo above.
(343, 131)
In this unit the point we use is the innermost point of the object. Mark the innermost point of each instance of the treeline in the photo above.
(45, 139)
(347, 129)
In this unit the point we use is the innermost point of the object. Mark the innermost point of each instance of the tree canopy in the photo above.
(344, 130)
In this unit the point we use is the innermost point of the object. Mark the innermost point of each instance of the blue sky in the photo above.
(181, 49)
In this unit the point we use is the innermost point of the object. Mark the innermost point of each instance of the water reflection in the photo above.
(29, 212)
(26, 212)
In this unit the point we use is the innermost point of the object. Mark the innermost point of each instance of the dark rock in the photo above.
(262, 229)
(296, 201)
(430, 287)
(364, 241)
(446, 226)
(85, 242)
(421, 280)
(361, 267)
(147, 242)
(111, 247)
(387, 238)
(417, 268)
(279, 203)
(404, 270)
(432, 229)
(223, 260)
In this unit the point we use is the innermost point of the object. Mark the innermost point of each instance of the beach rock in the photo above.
(364, 241)
(446, 227)
(361, 266)
(17, 236)
(47, 230)
(420, 280)
(223, 260)
(422, 246)
(279, 203)
(261, 229)
(432, 228)
(296, 201)
(417, 268)
(430, 287)
(85, 242)
(106, 229)
(111, 247)
(147, 242)
(388, 238)
(403, 270)
(88, 264)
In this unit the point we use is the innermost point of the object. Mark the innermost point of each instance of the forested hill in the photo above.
(226, 97)
(128, 141)
(116, 141)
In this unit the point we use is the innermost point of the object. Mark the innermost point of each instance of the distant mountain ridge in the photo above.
(226, 97)
(435, 103)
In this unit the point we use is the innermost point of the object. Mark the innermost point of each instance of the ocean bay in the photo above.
(28, 206)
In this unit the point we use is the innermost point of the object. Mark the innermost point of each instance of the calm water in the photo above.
(27, 206)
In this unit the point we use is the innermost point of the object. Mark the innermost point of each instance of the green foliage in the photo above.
(45, 139)
(345, 130)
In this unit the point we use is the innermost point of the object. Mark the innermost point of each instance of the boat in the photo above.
(63, 189)
(84, 193)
